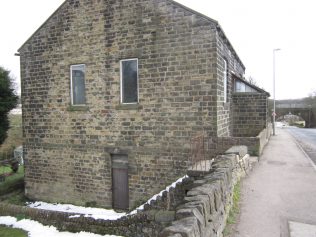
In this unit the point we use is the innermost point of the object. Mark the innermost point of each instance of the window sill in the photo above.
(128, 107)
(77, 108)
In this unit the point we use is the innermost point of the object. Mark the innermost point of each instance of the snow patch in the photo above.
(98, 213)
(16, 111)
(280, 124)
(95, 213)
(36, 229)
(74, 216)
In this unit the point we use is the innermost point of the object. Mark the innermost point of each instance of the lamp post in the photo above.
(309, 115)
(274, 114)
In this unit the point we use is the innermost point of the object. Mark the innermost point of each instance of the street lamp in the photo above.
(274, 114)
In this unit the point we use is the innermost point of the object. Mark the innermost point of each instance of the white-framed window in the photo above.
(225, 80)
(240, 87)
(129, 81)
(77, 81)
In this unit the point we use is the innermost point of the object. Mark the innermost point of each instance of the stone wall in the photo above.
(221, 144)
(68, 149)
(254, 144)
(264, 136)
(139, 225)
(198, 206)
(147, 222)
(224, 112)
(207, 203)
(250, 113)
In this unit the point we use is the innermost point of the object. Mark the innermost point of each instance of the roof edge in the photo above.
(251, 85)
(41, 26)
(218, 27)
(193, 11)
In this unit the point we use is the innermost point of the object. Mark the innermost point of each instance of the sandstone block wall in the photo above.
(250, 113)
(207, 203)
(224, 111)
(68, 149)
(197, 207)
(264, 136)
(221, 144)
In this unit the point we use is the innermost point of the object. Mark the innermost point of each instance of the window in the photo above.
(78, 96)
(240, 87)
(129, 81)
(225, 80)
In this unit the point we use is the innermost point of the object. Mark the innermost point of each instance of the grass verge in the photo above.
(5, 169)
(15, 137)
(16, 197)
(12, 182)
(234, 211)
(12, 232)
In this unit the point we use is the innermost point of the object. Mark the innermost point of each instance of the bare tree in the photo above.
(252, 81)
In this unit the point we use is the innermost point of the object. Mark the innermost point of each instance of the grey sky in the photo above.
(254, 28)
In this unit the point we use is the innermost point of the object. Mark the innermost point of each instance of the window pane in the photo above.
(129, 81)
(78, 84)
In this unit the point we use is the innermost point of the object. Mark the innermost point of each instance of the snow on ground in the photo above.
(280, 124)
(35, 229)
(96, 213)
(17, 110)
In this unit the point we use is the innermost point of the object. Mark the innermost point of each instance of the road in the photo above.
(306, 137)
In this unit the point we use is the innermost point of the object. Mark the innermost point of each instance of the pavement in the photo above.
(279, 196)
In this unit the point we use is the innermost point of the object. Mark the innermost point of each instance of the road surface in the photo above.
(306, 137)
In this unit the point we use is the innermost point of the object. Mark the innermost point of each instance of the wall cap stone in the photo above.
(72, 108)
(237, 150)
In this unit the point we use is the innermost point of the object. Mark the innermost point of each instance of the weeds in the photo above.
(13, 181)
(16, 198)
(234, 211)
(20, 217)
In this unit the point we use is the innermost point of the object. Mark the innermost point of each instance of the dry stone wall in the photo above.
(196, 207)
(207, 203)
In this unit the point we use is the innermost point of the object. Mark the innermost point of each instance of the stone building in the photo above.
(249, 108)
(112, 94)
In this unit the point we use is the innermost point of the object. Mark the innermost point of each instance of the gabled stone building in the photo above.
(113, 92)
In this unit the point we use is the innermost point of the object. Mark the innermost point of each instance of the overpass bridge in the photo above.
(305, 111)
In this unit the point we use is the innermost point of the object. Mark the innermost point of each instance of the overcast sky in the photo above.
(254, 28)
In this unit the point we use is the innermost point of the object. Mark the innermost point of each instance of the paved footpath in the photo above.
(279, 195)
